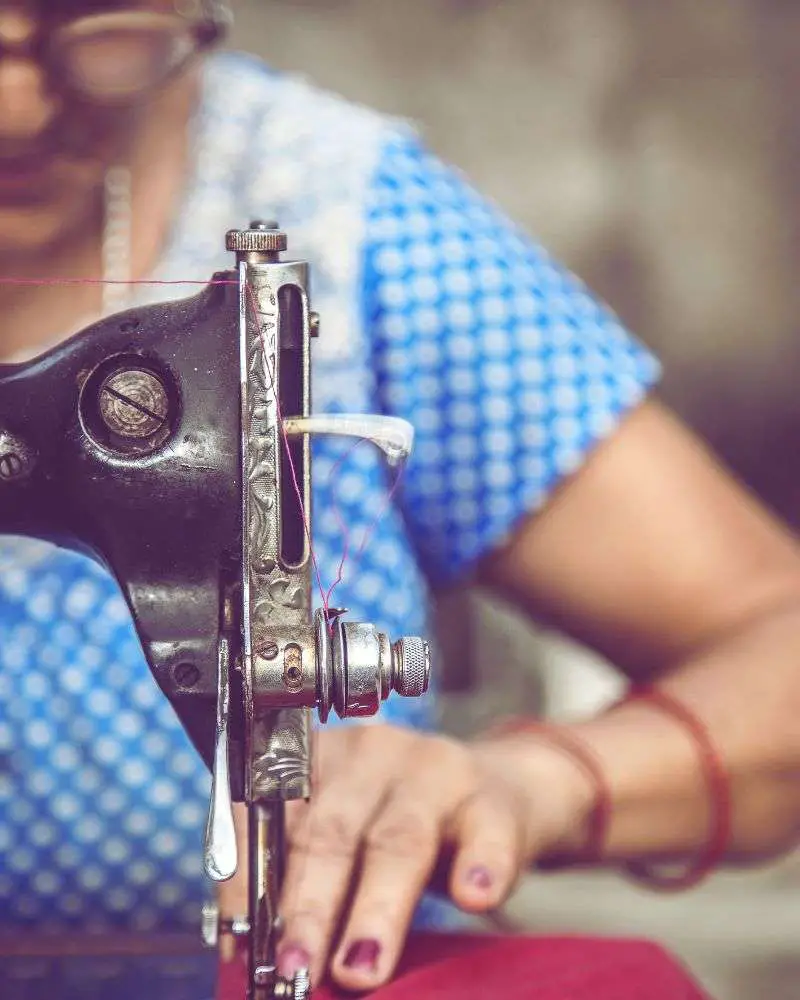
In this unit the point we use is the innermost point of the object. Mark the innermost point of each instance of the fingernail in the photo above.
(291, 959)
(363, 955)
(480, 878)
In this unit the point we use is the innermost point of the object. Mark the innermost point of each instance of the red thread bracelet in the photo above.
(579, 754)
(718, 784)
(714, 772)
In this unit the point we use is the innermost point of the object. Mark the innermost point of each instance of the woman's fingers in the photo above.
(489, 851)
(400, 851)
(323, 856)
(361, 854)
(401, 848)
(331, 755)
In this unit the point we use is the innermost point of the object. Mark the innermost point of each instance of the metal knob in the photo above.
(256, 241)
(133, 403)
(411, 667)
(358, 667)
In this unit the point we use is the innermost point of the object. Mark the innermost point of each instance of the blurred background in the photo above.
(653, 146)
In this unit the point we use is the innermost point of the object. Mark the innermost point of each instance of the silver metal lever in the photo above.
(220, 855)
(393, 435)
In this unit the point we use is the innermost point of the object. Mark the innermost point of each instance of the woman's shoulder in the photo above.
(274, 145)
(285, 109)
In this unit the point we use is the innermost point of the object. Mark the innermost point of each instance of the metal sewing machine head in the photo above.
(171, 442)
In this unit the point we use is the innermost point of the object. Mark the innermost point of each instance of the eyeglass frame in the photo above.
(209, 26)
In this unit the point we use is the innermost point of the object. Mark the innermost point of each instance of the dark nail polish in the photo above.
(291, 959)
(363, 955)
(480, 878)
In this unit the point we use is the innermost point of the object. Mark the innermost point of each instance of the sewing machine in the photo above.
(172, 443)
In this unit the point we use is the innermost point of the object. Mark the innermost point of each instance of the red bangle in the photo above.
(719, 795)
(581, 755)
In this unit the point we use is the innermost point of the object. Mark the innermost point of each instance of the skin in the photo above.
(58, 233)
(689, 581)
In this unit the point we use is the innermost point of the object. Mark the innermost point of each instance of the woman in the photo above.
(543, 469)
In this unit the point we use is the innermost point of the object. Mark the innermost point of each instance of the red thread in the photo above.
(580, 754)
(45, 282)
(719, 793)
(343, 526)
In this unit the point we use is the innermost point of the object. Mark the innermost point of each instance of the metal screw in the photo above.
(301, 985)
(210, 925)
(269, 650)
(16, 458)
(293, 667)
(263, 975)
(313, 324)
(134, 403)
(187, 674)
(298, 988)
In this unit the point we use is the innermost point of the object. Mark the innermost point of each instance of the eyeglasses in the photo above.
(117, 58)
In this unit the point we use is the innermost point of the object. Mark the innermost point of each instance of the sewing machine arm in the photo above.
(155, 498)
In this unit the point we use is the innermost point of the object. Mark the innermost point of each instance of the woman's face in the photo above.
(72, 103)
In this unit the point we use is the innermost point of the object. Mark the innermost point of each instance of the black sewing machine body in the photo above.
(158, 504)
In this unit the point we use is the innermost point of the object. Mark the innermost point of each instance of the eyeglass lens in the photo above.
(114, 57)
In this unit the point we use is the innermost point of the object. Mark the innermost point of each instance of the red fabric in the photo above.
(519, 968)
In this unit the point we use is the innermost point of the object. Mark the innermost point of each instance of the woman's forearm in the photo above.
(746, 692)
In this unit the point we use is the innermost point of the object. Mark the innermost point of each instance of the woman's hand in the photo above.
(395, 811)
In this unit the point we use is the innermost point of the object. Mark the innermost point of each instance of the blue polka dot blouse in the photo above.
(434, 308)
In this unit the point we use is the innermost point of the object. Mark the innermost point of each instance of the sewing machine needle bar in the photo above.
(276, 579)
(266, 853)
